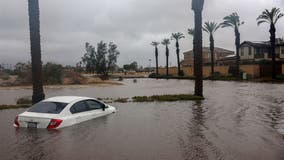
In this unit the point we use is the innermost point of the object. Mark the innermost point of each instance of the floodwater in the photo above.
(237, 121)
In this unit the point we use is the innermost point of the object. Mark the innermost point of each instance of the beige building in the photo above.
(219, 54)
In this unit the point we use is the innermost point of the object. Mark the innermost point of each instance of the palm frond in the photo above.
(271, 16)
(211, 27)
(232, 20)
(177, 36)
(190, 31)
(166, 41)
(226, 24)
(262, 21)
(155, 43)
(278, 17)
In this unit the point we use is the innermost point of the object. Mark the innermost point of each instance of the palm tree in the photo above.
(166, 42)
(190, 31)
(271, 17)
(233, 21)
(177, 36)
(155, 44)
(211, 28)
(197, 7)
(34, 24)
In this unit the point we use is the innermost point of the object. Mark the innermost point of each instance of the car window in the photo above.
(79, 107)
(94, 104)
(48, 107)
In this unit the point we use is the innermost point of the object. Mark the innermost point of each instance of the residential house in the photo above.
(219, 53)
(259, 51)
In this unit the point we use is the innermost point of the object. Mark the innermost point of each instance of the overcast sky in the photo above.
(132, 24)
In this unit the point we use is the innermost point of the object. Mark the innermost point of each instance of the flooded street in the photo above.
(243, 121)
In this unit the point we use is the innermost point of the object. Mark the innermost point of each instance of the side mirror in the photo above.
(104, 107)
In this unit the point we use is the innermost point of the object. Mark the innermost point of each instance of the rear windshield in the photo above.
(48, 107)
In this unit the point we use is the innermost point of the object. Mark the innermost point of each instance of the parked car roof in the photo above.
(66, 99)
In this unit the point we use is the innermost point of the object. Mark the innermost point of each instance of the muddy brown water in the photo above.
(243, 121)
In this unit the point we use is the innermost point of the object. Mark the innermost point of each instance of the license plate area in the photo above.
(32, 124)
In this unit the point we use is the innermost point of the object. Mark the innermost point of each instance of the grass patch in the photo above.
(14, 106)
(24, 100)
(167, 98)
(142, 99)
(121, 100)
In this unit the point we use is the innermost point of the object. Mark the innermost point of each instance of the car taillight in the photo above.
(16, 122)
(54, 123)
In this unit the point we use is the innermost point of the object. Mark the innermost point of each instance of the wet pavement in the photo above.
(243, 121)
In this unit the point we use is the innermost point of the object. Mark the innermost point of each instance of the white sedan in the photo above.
(58, 112)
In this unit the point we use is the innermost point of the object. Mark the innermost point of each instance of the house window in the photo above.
(250, 50)
(282, 49)
(259, 53)
(242, 51)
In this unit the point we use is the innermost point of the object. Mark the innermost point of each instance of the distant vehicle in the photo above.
(59, 112)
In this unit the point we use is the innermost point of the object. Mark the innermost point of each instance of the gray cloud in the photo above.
(67, 24)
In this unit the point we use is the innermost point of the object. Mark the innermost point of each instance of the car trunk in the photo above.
(35, 120)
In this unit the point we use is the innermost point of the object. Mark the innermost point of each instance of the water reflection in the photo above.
(195, 145)
(31, 144)
(192, 145)
(276, 116)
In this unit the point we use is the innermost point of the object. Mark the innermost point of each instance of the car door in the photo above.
(79, 111)
(96, 108)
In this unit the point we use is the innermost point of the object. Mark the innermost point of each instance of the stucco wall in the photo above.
(253, 71)
(172, 71)
(188, 71)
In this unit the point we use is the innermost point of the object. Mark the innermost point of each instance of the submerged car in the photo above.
(58, 112)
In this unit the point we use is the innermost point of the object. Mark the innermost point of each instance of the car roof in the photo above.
(66, 99)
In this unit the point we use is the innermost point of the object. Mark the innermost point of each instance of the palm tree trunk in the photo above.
(167, 61)
(212, 54)
(178, 62)
(194, 58)
(34, 24)
(238, 43)
(157, 64)
(272, 49)
(198, 53)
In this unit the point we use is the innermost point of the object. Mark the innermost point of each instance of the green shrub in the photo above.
(24, 73)
(280, 76)
(24, 100)
(153, 75)
(52, 73)
(181, 73)
(121, 100)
